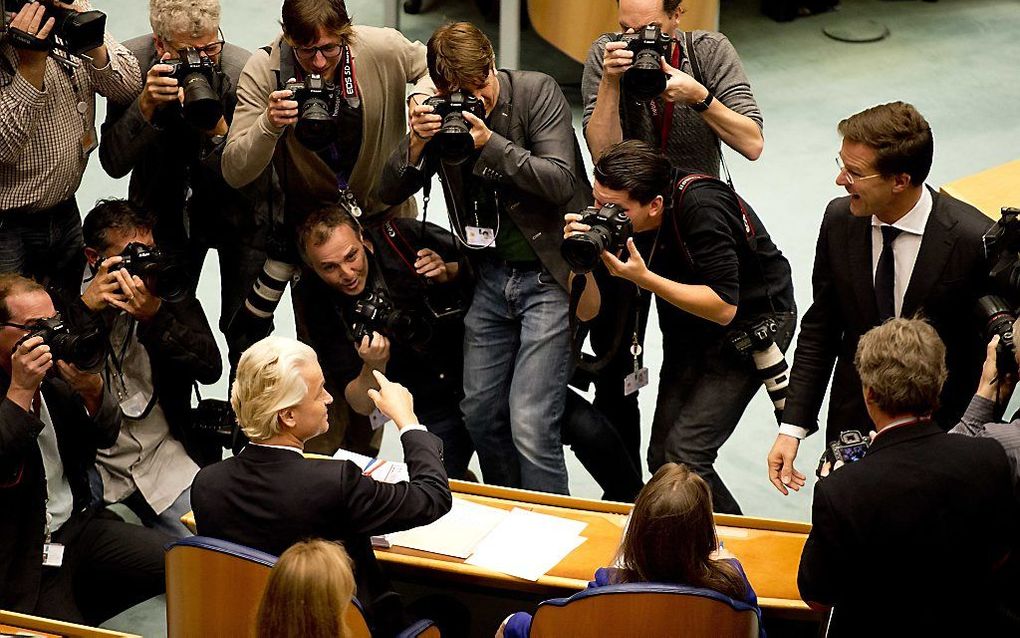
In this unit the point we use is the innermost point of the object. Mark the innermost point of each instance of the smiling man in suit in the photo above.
(893, 247)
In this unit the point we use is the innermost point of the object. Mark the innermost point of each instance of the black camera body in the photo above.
(757, 336)
(317, 99)
(162, 277)
(1002, 248)
(74, 32)
(453, 141)
(610, 229)
(84, 348)
(645, 78)
(373, 311)
(851, 447)
(197, 74)
(998, 318)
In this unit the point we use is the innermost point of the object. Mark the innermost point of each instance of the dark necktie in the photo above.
(885, 275)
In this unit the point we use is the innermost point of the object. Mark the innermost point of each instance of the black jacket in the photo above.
(269, 499)
(949, 276)
(532, 158)
(908, 541)
(23, 480)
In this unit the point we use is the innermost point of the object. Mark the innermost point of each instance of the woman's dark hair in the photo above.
(636, 167)
(672, 533)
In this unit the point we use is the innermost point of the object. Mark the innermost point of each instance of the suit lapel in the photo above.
(859, 261)
(936, 246)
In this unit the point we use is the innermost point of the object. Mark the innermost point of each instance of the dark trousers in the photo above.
(45, 245)
(703, 392)
(109, 566)
(448, 425)
(597, 444)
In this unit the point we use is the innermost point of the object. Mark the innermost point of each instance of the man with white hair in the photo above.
(172, 149)
(269, 496)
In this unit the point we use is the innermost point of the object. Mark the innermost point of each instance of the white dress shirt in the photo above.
(905, 247)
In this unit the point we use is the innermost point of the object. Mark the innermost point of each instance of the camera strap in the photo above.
(692, 55)
(664, 120)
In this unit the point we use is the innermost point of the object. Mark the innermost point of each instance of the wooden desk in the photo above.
(989, 190)
(10, 620)
(769, 550)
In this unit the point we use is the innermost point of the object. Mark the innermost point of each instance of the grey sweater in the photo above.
(692, 144)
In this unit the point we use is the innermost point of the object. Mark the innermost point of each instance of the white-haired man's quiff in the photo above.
(269, 380)
(192, 18)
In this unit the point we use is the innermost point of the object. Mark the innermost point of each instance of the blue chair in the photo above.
(647, 610)
(213, 590)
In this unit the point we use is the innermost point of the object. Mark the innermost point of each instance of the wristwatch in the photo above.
(702, 106)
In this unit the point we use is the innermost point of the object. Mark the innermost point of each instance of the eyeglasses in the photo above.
(328, 51)
(850, 177)
(211, 49)
(35, 324)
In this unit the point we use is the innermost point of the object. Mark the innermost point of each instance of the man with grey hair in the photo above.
(174, 155)
(269, 496)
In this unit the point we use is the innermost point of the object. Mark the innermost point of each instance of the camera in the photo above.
(72, 32)
(196, 73)
(316, 127)
(851, 447)
(1002, 247)
(645, 78)
(84, 348)
(374, 312)
(161, 276)
(453, 141)
(610, 229)
(998, 319)
(757, 339)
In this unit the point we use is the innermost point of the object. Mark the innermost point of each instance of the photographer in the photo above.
(717, 277)
(505, 150)
(46, 136)
(392, 292)
(158, 350)
(171, 138)
(58, 559)
(944, 499)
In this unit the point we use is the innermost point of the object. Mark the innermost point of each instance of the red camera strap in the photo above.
(665, 120)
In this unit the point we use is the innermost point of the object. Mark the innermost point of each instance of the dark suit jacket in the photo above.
(913, 533)
(269, 499)
(23, 480)
(948, 277)
(532, 158)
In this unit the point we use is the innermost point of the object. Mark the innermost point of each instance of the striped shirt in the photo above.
(42, 133)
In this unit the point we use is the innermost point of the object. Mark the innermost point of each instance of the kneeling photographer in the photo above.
(160, 345)
(390, 299)
(723, 290)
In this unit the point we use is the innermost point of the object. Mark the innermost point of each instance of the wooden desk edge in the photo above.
(36, 623)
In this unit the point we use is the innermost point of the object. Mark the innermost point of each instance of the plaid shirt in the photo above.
(42, 158)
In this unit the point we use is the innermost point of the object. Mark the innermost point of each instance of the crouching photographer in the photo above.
(723, 290)
(389, 299)
(160, 345)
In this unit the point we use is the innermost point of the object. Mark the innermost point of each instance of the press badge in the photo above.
(52, 555)
(377, 419)
(635, 381)
(479, 237)
(89, 139)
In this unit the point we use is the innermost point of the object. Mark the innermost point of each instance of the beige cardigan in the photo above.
(385, 63)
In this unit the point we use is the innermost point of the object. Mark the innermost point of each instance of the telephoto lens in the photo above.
(998, 319)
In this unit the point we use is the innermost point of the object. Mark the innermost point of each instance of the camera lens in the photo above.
(315, 129)
(645, 79)
(85, 351)
(454, 139)
(582, 251)
(202, 106)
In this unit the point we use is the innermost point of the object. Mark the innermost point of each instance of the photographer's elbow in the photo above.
(725, 315)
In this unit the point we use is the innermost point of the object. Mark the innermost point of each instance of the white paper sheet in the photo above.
(380, 470)
(456, 534)
(527, 544)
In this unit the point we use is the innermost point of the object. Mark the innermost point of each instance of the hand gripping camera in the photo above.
(758, 340)
(453, 141)
(84, 348)
(645, 78)
(196, 74)
(161, 276)
(374, 312)
(610, 229)
(316, 127)
(998, 319)
(73, 32)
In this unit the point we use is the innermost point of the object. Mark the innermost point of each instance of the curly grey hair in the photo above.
(171, 18)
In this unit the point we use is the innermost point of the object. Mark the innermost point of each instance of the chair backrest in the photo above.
(648, 610)
(213, 590)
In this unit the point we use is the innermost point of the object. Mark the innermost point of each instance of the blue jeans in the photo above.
(46, 246)
(703, 392)
(169, 522)
(516, 365)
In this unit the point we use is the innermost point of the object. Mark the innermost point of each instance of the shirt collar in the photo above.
(904, 422)
(280, 447)
(916, 218)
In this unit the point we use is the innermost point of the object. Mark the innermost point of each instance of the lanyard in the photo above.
(664, 121)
